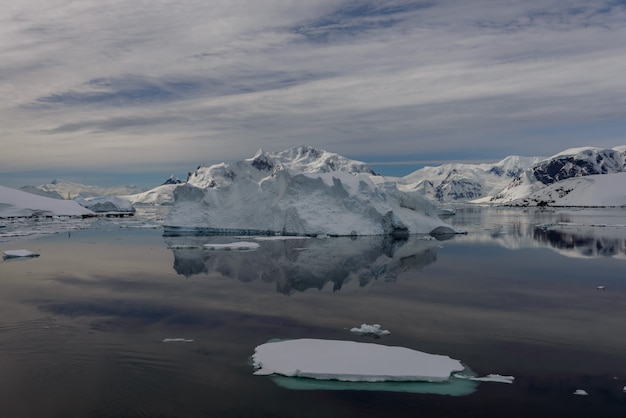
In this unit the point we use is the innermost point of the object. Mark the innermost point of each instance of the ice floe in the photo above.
(370, 330)
(19, 254)
(316, 364)
(351, 361)
(581, 392)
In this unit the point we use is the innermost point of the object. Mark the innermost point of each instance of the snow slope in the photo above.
(66, 188)
(595, 190)
(162, 195)
(302, 191)
(528, 188)
(16, 203)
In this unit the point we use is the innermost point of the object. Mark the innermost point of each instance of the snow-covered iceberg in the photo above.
(301, 191)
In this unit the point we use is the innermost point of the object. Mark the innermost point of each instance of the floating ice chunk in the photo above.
(370, 329)
(351, 361)
(19, 254)
(600, 287)
(177, 340)
(234, 246)
(580, 392)
(184, 247)
(280, 237)
(498, 378)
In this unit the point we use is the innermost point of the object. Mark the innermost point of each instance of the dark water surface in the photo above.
(82, 326)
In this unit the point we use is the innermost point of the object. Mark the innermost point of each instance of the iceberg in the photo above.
(302, 192)
(351, 361)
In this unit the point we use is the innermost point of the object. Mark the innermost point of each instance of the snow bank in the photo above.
(16, 203)
(351, 361)
(302, 191)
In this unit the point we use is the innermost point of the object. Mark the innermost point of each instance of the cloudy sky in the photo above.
(120, 91)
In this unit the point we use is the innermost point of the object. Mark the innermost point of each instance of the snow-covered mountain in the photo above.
(67, 189)
(463, 182)
(557, 181)
(17, 203)
(162, 195)
(301, 191)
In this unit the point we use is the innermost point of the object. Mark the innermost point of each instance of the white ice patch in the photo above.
(351, 361)
(184, 247)
(19, 254)
(176, 340)
(497, 378)
(279, 238)
(234, 246)
(581, 392)
(370, 329)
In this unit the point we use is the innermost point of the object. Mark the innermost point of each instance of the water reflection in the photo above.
(577, 243)
(296, 265)
(571, 232)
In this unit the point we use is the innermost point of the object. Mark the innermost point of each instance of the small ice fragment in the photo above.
(176, 340)
(624, 389)
(497, 378)
(580, 392)
(235, 246)
(370, 329)
(600, 288)
(19, 253)
(184, 247)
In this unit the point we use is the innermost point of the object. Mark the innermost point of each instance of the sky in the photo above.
(129, 92)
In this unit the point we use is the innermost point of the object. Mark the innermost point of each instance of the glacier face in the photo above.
(301, 191)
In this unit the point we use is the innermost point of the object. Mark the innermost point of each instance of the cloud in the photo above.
(140, 83)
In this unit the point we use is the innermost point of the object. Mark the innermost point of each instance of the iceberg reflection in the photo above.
(296, 265)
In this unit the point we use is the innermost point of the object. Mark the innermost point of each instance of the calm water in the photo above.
(82, 326)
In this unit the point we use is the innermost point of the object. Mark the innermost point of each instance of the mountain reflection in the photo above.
(572, 232)
(296, 265)
(579, 243)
